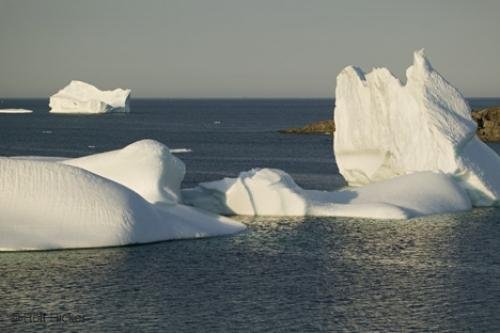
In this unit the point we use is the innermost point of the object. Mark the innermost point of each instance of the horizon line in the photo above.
(233, 98)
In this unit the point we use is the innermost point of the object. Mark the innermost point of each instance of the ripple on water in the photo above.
(439, 272)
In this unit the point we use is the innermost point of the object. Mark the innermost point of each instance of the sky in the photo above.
(235, 48)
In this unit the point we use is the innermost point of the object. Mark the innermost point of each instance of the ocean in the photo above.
(437, 273)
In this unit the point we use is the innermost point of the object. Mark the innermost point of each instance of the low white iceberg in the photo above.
(81, 97)
(274, 192)
(180, 150)
(50, 204)
(15, 111)
(385, 129)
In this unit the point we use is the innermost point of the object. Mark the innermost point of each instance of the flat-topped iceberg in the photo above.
(274, 192)
(81, 97)
(53, 204)
(386, 129)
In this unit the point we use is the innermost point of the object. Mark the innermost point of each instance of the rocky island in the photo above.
(488, 125)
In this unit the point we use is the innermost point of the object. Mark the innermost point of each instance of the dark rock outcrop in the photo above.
(488, 125)
(319, 127)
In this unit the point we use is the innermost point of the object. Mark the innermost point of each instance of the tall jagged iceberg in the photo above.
(81, 97)
(406, 150)
(386, 129)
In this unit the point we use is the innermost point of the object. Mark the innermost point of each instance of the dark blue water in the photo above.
(225, 136)
(439, 273)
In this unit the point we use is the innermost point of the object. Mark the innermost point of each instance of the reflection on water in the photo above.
(438, 273)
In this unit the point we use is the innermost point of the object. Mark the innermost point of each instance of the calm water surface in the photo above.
(438, 273)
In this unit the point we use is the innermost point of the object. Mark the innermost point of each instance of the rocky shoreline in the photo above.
(318, 127)
(488, 125)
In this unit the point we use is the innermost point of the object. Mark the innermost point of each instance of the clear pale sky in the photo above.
(233, 48)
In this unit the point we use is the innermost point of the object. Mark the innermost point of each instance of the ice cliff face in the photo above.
(81, 97)
(386, 129)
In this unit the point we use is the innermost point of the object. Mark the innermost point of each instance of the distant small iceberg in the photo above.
(15, 111)
(181, 150)
(83, 98)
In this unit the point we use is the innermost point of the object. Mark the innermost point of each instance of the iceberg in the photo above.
(81, 97)
(146, 167)
(15, 111)
(386, 129)
(405, 150)
(274, 192)
(181, 150)
(56, 203)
